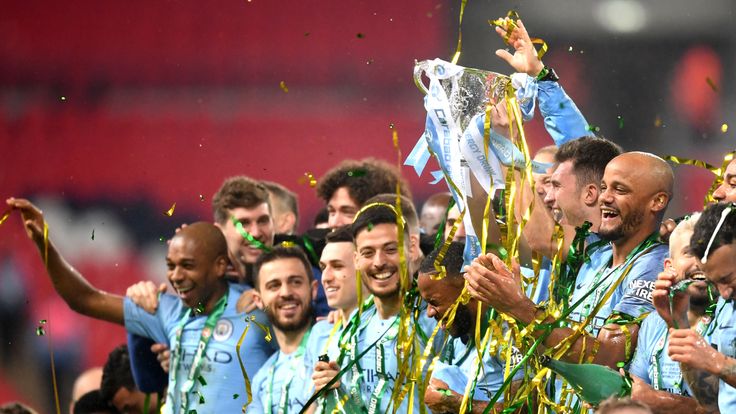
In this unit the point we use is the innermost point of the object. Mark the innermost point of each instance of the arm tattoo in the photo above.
(728, 373)
(704, 387)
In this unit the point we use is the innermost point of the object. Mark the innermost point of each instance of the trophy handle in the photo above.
(419, 67)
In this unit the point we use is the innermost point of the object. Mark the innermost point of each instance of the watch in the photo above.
(547, 74)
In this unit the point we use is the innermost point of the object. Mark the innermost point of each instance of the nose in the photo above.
(431, 311)
(285, 290)
(327, 275)
(337, 219)
(549, 198)
(255, 230)
(605, 197)
(176, 275)
(725, 290)
(379, 259)
(720, 193)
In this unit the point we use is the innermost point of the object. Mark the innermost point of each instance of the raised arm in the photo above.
(562, 118)
(72, 287)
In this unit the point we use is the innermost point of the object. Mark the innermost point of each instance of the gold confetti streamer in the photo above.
(5, 216)
(657, 122)
(308, 177)
(283, 87)
(170, 212)
(459, 47)
(360, 35)
(201, 197)
(724, 128)
(508, 24)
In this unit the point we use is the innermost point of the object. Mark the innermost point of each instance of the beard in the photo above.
(463, 323)
(291, 326)
(628, 225)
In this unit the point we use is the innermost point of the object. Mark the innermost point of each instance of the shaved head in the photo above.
(207, 238)
(651, 173)
(635, 191)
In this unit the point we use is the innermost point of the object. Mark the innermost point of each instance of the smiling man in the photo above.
(452, 374)
(710, 371)
(200, 324)
(285, 289)
(243, 200)
(657, 379)
(378, 260)
(614, 287)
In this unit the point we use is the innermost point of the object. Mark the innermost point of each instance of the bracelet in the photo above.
(543, 73)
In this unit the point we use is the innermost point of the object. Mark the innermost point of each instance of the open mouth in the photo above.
(383, 275)
(181, 290)
(698, 276)
(331, 289)
(608, 213)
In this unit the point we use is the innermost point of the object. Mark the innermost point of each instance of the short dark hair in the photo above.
(408, 211)
(340, 235)
(283, 197)
(117, 373)
(453, 260)
(706, 225)
(281, 252)
(93, 403)
(372, 216)
(363, 179)
(238, 191)
(589, 156)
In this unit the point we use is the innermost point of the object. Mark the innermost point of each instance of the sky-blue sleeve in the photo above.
(153, 326)
(635, 297)
(642, 355)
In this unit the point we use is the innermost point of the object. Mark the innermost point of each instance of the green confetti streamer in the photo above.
(620, 122)
(356, 173)
(360, 35)
(42, 321)
(251, 240)
(199, 308)
(93, 234)
(201, 380)
(40, 331)
(370, 226)
(235, 396)
(593, 128)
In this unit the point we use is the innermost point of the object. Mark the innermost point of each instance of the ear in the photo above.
(314, 290)
(221, 265)
(414, 249)
(257, 299)
(660, 201)
(667, 262)
(290, 220)
(590, 195)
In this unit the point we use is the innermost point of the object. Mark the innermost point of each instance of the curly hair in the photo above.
(238, 191)
(363, 180)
